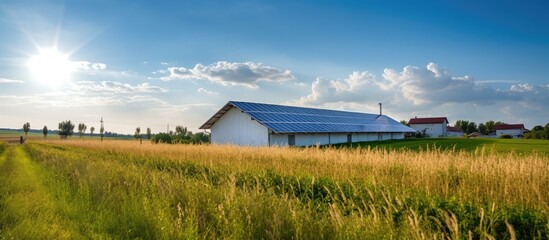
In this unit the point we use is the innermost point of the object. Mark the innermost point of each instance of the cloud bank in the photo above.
(418, 86)
(247, 74)
(429, 90)
(5, 80)
(113, 87)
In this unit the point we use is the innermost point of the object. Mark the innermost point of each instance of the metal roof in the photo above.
(288, 119)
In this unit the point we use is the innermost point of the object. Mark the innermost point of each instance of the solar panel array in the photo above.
(288, 119)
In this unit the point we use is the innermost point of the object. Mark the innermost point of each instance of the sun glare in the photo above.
(50, 66)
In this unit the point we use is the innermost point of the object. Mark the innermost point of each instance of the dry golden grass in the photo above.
(481, 176)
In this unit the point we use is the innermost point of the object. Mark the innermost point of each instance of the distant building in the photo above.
(432, 126)
(515, 130)
(258, 124)
(453, 132)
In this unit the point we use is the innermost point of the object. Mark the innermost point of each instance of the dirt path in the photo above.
(27, 209)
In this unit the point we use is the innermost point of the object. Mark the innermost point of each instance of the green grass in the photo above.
(27, 208)
(519, 146)
(127, 191)
(12, 134)
(16, 133)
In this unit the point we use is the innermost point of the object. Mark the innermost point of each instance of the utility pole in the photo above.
(102, 129)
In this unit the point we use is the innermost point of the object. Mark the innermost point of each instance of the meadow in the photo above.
(121, 189)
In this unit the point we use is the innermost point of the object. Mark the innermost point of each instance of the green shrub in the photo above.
(506, 136)
(162, 138)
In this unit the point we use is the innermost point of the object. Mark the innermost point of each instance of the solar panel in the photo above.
(289, 119)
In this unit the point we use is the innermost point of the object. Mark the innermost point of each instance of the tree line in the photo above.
(181, 134)
(538, 132)
(486, 128)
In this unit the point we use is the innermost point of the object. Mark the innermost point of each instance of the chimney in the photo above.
(380, 109)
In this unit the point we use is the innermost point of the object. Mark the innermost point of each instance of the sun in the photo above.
(50, 66)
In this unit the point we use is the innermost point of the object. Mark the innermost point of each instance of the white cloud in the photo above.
(429, 91)
(432, 85)
(5, 80)
(351, 89)
(419, 86)
(235, 74)
(109, 87)
(163, 63)
(206, 91)
(88, 66)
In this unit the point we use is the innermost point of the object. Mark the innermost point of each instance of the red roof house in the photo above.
(510, 126)
(431, 126)
(429, 120)
(515, 130)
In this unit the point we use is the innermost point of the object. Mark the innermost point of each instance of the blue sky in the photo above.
(153, 63)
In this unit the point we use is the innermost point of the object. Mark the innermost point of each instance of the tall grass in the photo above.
(126, 190)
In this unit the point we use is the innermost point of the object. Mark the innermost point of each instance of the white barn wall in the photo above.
(365, 137)
(332, 138)
(279, 139)
(513, 132)
(311, 139)
(433, 129)
(236, 127)
(454, 134)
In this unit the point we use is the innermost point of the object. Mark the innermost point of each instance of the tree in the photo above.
(538, 132)
(490, 127)
(45, 131)
(149, 134)
(162, 138)
(471, 127)
(537, 128)
(101, 131)
(137, 134)
(404, 122)
(482, 128)
(462, 124)
(498, 123)
(26, 128)
(91, 131)
(181, 131)
(81, 129)
(66, 129)
(200, 138)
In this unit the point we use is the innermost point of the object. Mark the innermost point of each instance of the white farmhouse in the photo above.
(258, 124)
(432, 126)
(515, 130)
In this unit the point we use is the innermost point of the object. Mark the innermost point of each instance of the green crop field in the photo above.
(460, 189)
(519, 146)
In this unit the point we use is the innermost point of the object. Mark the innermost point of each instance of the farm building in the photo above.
(515, 130)
(258, 124)
(431, 127)
(453, 132)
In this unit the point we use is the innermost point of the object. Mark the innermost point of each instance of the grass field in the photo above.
(121, 189)
(519, 146)
(13, 135)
